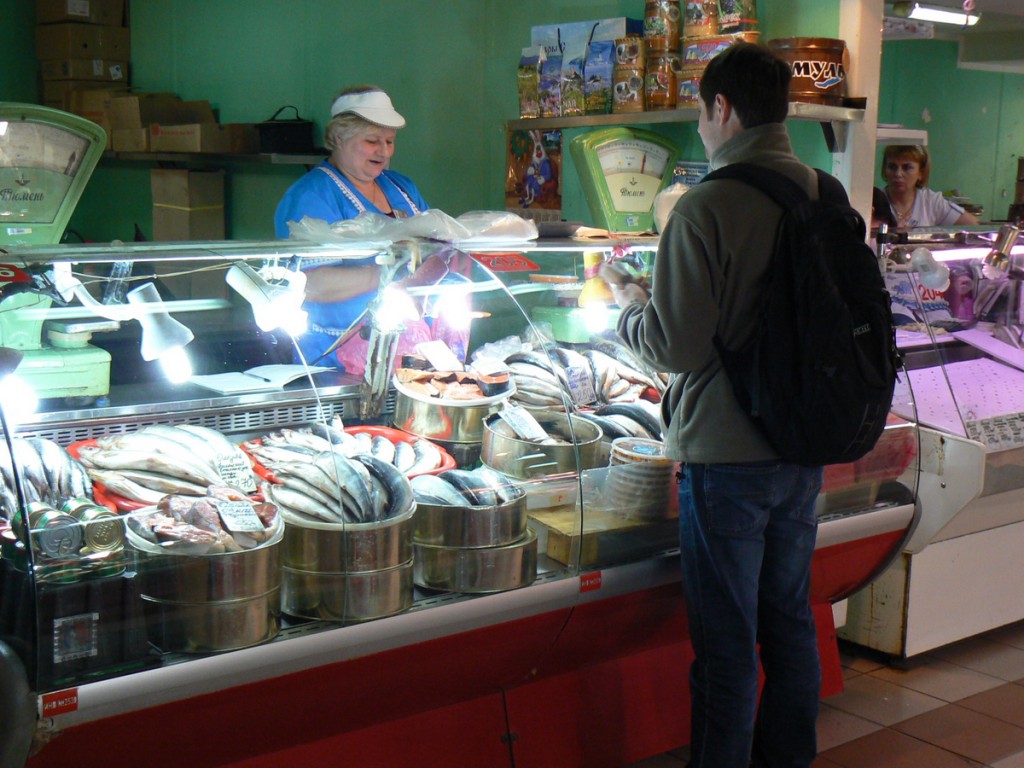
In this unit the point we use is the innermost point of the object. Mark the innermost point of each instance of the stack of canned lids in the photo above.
(80, 540)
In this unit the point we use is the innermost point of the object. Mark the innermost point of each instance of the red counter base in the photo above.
(612, 690)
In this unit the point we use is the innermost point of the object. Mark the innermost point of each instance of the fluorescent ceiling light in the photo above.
(931, 13)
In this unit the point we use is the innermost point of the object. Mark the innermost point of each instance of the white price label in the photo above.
(523, 422)
(440, 357)
(236, 471)
(581, 384)
(78, 8)
(239, 516)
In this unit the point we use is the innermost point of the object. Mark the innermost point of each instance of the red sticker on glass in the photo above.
(505, 262)
(590, 581)
(59, 702)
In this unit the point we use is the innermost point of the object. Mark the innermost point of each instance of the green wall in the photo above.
(449, 67)
(975, 120)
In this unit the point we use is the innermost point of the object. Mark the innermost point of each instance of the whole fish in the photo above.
(383, 449)
(119, 484)
(399, 491)
(428, 457)
(30, 466)
(56, 466)
(610, 429)
(405, 456)
(346, 473)
(301, 484)
(294, 500)
(333, 431)
(624, 355)
(196, 472)
(162, 483)
(503, 487)
(431, 489)
(473, 487)
(220, 444)
(199, 447)
(649, 417)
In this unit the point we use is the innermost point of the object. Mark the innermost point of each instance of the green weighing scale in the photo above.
(621, 171)
(46, 159)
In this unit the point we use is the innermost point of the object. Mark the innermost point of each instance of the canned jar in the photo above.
(630, 51)
(628, 91)
(700, 18)
(661, 25)
(660, 81)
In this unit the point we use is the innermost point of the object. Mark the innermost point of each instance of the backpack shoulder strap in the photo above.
(831, 189)
(779, 187)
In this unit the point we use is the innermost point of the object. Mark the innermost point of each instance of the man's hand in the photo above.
(628, 293)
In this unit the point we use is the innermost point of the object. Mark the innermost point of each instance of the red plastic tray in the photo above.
(394, 435)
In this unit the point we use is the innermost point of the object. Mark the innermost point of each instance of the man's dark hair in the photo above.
(753, 79)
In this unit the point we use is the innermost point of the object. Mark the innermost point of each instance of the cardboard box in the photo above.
(109, 12)
(140, 110)
(556, 37)
(84, 69)
(94, 103)
(204, 137)
(187, 205)
(130, 139)
(62, 92)
(82, 41)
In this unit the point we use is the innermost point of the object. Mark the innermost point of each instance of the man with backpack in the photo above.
(747, 515)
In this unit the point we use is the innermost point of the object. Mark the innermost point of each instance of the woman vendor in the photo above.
(906, 169)
(354, 178)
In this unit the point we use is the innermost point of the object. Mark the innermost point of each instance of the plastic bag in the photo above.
(377, 230)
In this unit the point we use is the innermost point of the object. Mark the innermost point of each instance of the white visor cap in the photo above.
(374, 106)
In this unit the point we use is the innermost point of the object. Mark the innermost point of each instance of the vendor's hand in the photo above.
(628, 293)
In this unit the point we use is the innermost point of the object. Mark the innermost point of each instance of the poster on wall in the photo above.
(533, 180)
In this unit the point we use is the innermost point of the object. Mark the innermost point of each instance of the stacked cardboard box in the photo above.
(187, 205)
(82, 46)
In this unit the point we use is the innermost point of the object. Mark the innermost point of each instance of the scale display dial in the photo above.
(41, 147)
(621, 172)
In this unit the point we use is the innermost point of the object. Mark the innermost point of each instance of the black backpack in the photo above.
(819, 372)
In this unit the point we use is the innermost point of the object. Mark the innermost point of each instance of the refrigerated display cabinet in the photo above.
(962, 346)
(460, 650)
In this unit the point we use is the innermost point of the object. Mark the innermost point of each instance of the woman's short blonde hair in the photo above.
(914, 152)
(347, 125)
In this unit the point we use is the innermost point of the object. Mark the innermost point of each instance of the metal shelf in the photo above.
(797, 111)
(211, 158)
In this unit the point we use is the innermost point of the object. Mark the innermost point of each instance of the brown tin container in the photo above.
(818, 65)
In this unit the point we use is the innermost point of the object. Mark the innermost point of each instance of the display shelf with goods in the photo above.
(832, 119)
(961, 343)
(325, 582)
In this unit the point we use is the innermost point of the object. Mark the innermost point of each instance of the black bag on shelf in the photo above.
(293, 136)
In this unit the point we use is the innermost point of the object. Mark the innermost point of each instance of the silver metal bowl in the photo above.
(201, 579)
(355, 548)
(481, 570)
(525, 459)
(453, 421)
(346, 597)
(448, 526)
(207, 627)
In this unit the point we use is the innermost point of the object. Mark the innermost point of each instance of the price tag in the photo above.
(439, 355)
(236, 471)
(524, 423)
(581, 384)
(239, 516)
(488, 366)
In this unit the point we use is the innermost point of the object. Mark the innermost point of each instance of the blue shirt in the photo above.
(317, 195)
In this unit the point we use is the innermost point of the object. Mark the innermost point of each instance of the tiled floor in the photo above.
(961, 706)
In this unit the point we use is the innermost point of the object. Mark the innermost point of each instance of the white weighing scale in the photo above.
(46, 159)
(621, 171)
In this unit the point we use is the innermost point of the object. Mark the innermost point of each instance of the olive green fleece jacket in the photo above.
(711, 259)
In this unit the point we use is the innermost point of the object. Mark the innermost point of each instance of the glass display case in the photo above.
(201, 505)
(957, 301)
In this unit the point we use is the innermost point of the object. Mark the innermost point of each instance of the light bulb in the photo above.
(455, 309)
(176, 365)
(395, 309)
(931, 273)
(274, 304)
(595, 317)
(18, 399)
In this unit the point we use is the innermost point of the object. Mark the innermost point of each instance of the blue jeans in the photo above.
(747, 536)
